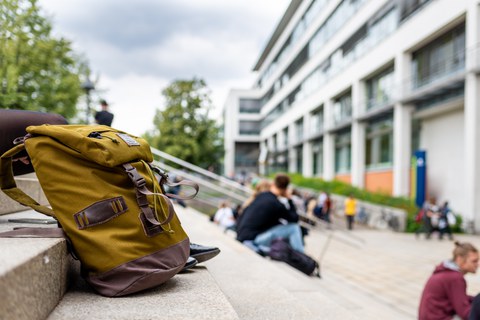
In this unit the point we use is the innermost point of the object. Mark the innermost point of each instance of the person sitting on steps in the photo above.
(261, 221)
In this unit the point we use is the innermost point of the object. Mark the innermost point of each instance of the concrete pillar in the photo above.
(307, 159)
(358, 154)
(357, 170)
(402, 148)
(328, 143)
(230, 114)
(402, 126)
(472, 119)
(292, 154)
(307, 149)
(262, 165)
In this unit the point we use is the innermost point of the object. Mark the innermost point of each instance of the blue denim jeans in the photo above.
(290, 231)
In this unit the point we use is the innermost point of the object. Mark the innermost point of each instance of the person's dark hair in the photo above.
(103, 102)
(282, 181)
(462, 249)
(297, 193)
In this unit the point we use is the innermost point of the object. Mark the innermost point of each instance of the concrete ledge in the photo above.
(33, 272)
(191, 295)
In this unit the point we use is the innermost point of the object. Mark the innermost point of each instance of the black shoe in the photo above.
(203, 253)
(191, 262)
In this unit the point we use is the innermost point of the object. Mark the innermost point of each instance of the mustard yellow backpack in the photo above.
(108, 200)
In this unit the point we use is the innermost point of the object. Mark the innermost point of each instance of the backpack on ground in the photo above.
(109, 202)
(281, 250)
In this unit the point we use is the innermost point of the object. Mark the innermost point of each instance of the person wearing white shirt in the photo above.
(224, 216)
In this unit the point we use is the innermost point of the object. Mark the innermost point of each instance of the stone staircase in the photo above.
(237, 284)
(39, 280)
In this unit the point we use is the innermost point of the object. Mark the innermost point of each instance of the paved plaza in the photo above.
(371, 274)
(389, 268)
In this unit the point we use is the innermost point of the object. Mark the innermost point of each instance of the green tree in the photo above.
(184, 129)
(37, 71)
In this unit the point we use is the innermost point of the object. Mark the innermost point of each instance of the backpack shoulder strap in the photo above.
(8, 185)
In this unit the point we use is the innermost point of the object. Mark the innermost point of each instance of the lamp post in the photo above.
(88, 86)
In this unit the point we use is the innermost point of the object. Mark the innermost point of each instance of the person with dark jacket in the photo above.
(104, 116)
(445, 294)
(261, 221)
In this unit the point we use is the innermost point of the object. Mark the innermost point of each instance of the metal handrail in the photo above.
(202, 171)
(201, 182)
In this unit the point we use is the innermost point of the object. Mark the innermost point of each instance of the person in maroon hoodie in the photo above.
(445, 294)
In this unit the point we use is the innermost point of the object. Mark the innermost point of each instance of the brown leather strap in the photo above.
(142, 192)
(100, 212)
(34, 233)
(162, 178)
(182, 183)
(9, 187)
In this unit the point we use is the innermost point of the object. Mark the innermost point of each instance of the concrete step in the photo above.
(33, 272)
(190, 295)
(257, 287)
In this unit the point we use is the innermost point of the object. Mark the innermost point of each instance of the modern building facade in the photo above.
(349, 89)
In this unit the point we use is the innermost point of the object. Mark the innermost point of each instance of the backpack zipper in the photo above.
(98, 135)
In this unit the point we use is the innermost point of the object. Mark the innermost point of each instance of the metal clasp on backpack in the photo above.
(137, 179)
(20, 140)
(163, 176)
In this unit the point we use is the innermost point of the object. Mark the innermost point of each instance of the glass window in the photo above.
(249, 105)
(316, 121)
(342, 108)
(343, 153)
(285, 138)
(246, 154)
(299, 130)
(249, 127)
(317, 154)
(439, 59)
(380, 89)
(299, 164)
(379, 144)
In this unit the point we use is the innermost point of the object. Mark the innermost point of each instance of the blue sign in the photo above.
(420, 174)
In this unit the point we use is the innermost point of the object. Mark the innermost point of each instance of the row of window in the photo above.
(437, 60)
(380, 25)
(374, 32)
(315, 8)
(378, 150)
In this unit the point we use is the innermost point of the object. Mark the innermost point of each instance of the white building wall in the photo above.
(436, 17)
(442, 137)
(472, 116)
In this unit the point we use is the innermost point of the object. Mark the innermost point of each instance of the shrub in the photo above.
(345, 189)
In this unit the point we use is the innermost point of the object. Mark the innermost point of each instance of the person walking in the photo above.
(104, 117)
(445, 293)
(350, 211)
(447, 219)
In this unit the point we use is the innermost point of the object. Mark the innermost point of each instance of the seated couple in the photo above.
(271, 215)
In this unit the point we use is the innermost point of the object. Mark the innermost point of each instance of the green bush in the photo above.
(345, 189)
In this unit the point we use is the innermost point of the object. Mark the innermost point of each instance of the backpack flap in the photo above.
(101, 144)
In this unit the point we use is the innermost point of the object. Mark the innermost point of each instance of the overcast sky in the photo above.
(139, 47)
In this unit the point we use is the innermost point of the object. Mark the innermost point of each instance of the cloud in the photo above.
(139, 47)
